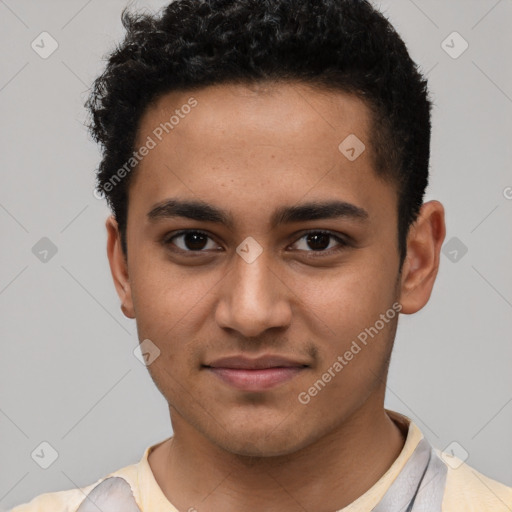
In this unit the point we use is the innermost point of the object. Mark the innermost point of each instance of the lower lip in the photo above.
(256, 380)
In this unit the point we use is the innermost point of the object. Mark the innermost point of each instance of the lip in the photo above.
(255, 374)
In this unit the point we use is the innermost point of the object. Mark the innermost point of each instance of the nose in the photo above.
(254, 297)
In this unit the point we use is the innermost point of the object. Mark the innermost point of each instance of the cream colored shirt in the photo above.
(466, 489)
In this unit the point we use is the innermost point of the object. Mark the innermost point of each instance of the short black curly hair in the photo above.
(337, 45)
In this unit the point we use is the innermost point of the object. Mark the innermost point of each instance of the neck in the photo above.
(195, 474)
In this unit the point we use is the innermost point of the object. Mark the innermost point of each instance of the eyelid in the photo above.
(166, 240)
(342, 240)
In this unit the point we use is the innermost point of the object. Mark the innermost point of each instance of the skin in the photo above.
(250, 150)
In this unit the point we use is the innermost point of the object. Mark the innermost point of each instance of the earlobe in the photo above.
(119, 267)
(421, 265)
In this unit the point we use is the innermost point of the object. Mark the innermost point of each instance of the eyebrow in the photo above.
(201, 211)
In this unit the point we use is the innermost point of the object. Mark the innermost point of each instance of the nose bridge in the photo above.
(252, 281)
(252, 297)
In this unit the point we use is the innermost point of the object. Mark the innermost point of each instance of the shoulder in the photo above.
(468, 490)
(121, 490)
(60, 501)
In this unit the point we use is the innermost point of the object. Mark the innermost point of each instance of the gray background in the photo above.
(68, 375)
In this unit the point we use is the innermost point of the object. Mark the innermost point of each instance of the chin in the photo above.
(262, 442)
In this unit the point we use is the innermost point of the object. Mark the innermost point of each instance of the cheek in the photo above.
(172, 304)
(350, 298)
(354, 341)
(161, 288)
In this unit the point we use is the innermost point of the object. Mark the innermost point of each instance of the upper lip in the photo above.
(258, 363)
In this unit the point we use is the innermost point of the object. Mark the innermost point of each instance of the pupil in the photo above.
(315, 241)
(192, 241)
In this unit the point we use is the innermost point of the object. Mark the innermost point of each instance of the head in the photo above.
(263, 128)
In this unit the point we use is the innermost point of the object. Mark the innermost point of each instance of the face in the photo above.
(273, 298)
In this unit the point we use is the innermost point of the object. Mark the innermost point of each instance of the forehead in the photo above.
(290, 110)
(255, 144)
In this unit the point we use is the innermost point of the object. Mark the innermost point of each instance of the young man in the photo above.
(265, 162)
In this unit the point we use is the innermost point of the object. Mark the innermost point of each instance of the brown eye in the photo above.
(320, 241)
(191, 241)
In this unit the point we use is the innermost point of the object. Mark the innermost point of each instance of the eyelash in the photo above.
(342, 243)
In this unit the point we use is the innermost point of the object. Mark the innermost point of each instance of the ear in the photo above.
(421, 264)
(119, 267)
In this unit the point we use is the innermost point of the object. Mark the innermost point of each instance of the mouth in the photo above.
(257, 374)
